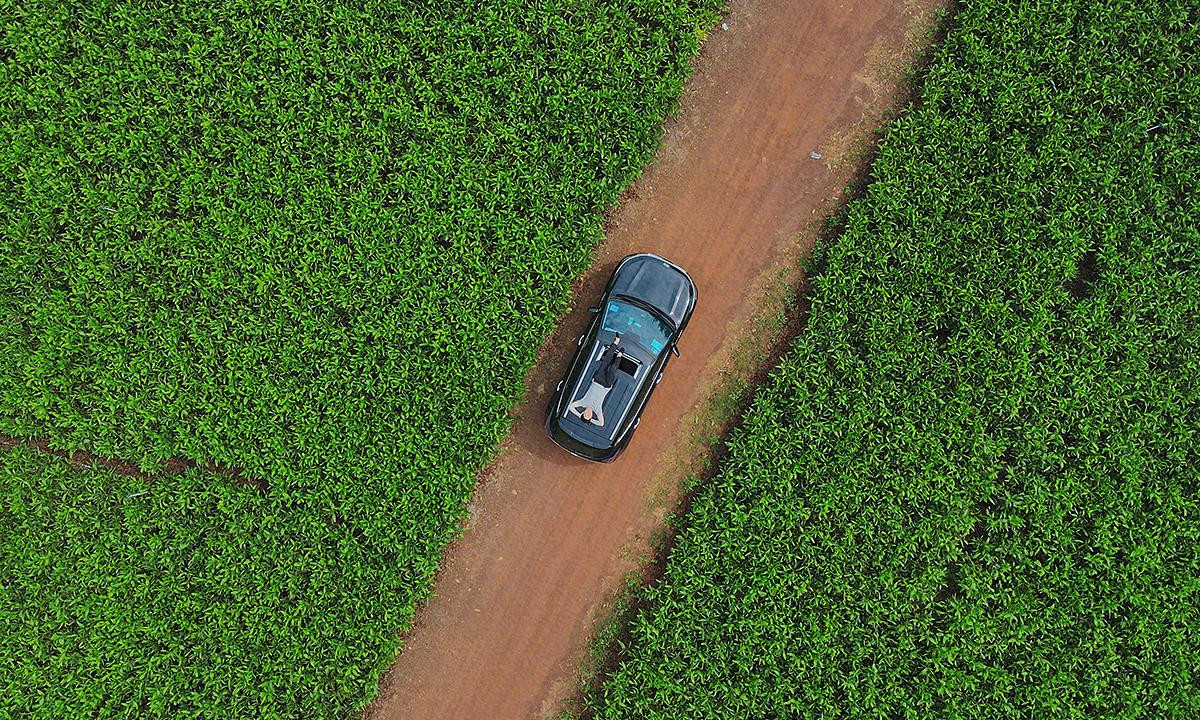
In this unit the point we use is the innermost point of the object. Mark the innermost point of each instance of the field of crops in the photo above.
(970, 488)
(319, 243)
(183, 595)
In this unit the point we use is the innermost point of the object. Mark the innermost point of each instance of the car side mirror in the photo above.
(675, 350)
(593, 310)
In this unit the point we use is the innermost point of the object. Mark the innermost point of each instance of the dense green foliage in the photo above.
(136, 599)
(970, 489)
(316, 241)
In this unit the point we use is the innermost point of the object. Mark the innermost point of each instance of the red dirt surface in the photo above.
(550, 536)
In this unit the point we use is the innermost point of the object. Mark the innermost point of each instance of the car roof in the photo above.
(617, 404)
(658, 283)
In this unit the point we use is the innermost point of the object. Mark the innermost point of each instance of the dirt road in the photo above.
(733, 185)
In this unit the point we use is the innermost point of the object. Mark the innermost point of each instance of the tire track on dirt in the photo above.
(550, 536)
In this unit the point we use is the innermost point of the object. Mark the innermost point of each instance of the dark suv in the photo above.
(645, 308)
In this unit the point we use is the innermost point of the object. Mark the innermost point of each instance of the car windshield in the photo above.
(636, 325)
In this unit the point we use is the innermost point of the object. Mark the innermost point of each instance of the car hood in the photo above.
(657, 283)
